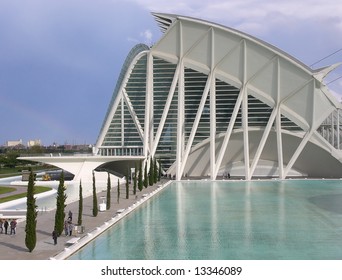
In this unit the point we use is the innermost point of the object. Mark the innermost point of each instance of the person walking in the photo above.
(54, 237)
(6, 226)
(71, 226)
(13, 226)
(1, 223)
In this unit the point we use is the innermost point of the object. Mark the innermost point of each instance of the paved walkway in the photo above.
(12, 247)
(18, 190)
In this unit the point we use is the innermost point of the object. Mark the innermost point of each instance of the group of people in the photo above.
(5, 225)
(68, 227)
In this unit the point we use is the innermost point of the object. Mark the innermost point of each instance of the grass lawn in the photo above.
(38, 189)
(4, 190)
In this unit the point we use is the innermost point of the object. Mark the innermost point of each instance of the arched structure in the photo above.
(208, 100)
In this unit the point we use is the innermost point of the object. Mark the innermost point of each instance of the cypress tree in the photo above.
(80, 206)
(127, 184)
(108, 192)
(118, 191)
(135, 180)
(145, 176)
(60, 206)
(95, 208)
(151, 174)
(31, 216)
(140, 180)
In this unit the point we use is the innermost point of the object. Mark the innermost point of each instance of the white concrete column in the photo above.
(150, 89)
(180, 123)
(244, 93)
(338, 128)
(332, 129)
(148, 105)
(212, 127)
(122, 122)
(279, 145)
(245, 133)
(212, 109)
(180, 119)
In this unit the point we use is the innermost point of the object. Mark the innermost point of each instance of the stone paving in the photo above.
(12, 247)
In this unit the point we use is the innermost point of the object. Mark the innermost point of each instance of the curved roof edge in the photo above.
(165, 20)
(130, 57)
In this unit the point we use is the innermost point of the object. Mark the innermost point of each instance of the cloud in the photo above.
(73, 50)
(147, 36)
(250, 13)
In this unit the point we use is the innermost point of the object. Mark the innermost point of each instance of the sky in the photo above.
(60, 59)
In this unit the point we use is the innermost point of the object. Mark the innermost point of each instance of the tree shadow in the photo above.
(15, 247)
(43, 232)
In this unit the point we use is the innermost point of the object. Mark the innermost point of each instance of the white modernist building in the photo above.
(209, 101)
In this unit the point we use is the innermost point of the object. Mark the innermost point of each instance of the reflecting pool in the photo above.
(269, 220)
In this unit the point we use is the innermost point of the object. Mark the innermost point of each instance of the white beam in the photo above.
(338, 128)
(212, 127)
(279, 145)
(166, 110)
(212, 112)
(229, 131)
(278, 127)
(245, 133)
(108, 121)
(133, 114)
(332, 129)
(196, 121)
(180, 119)
(116, 103)
(263, 141)
(298, 151)
(122, 123)
(180, 123)
(245, 114)
(148, 105)
(150, 90)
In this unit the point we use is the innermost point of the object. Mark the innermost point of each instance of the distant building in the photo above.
(13, 143)
(32, 143)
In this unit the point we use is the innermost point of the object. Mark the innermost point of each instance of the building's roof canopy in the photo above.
(268, 73)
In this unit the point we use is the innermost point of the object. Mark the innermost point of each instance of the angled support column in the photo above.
(298, 151)
(263, 141)
(229, 131)
(133, 114)
(166, 110)
(196, 122)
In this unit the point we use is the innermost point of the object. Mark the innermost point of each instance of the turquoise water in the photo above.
(268, 220)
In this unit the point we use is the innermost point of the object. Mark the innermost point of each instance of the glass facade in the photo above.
(123, 137)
